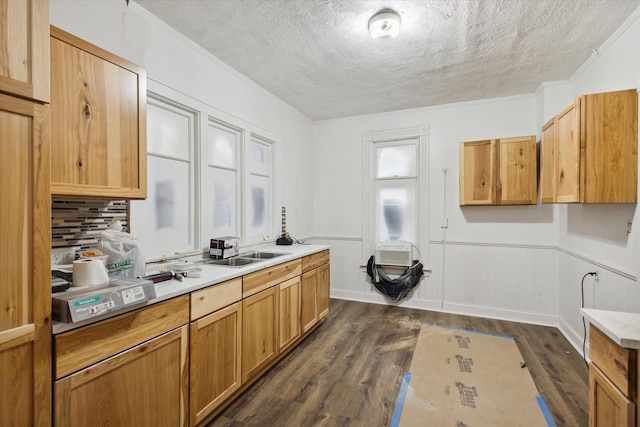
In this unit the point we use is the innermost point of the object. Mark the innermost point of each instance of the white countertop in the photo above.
(623, 328)
(210, 275)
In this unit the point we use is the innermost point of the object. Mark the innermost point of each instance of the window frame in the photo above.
(238, 170)
(252, 137)
(205, 114)
(372, 140)
(141, 207)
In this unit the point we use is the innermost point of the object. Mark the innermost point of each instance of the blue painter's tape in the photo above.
(491, 334)
(395, 419)
(545, 411)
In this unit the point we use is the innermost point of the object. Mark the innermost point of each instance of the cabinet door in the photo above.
(518, 183)
(143, 386)
(309, 308)
(608, 406)
(609, 147)
(568, 154)
(25, 295)
(17, 379)
(324, 278)
(259, 331)
(24, 56)
(289, 318)
(548, 147)
(98, 132)
(477, 173)
(215, 365)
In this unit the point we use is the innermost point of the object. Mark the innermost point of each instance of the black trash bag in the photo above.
(398, 288)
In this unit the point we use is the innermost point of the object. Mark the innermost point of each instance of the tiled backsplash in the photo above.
(79, 222)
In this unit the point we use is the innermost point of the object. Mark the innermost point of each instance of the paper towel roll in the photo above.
(89, 272)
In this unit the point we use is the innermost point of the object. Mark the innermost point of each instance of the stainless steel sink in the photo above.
(232, 262)
(262, 255)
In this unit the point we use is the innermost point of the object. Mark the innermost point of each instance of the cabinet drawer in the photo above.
(255, 282)
(315, 260)
(619, 364)
(215, 297)
(85, 346)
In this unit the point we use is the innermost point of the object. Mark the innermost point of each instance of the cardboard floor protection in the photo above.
(461, 378)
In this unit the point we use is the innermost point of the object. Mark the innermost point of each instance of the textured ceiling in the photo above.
(317, 55)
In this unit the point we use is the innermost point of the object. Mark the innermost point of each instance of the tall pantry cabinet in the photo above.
(25, 212)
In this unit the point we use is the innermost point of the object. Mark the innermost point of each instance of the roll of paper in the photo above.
(89, 272)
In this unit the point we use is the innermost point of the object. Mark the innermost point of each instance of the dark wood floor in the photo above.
(348, 372)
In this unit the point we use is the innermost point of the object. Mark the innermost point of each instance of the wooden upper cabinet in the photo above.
(98, 116)
(477, 173)
(590, 150)
(24, 52)
(518, 177)
(499, 172)
(548, 147)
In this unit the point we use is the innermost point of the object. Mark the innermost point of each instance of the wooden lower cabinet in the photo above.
(613, 382)
(215, 363)
(143, 386)
(259, 331)
(180, 361)
(289, 313)
(608, 406)
(324, 280)
(315, 296)
(309, 287)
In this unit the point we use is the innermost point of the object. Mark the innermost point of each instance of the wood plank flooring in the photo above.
(348, 372)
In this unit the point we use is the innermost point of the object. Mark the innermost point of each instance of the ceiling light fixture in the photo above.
(385, 23)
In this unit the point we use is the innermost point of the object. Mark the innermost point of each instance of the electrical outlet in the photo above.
(61, 256)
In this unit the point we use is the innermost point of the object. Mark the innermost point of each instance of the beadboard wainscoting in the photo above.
(616, 289)
(525, 283)
(510, 282)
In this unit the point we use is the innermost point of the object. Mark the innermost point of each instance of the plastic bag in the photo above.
(125, 253)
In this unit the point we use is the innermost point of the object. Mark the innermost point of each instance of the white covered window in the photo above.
(395, 190)
(395, 187)
(209, 174)
(258, 204)
(164, 222)
(222, 178)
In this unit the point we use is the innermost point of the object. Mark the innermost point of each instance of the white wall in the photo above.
(495, 261)
(594, 237)
(520, 263)
(170, 59)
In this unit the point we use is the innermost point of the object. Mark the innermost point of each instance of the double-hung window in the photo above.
(258, 195)
(395, 196)
(165, 221)
(238, 185)
(223, 179)
(209, 174)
